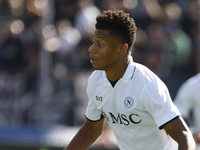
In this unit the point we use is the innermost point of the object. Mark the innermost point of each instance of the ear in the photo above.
(123, 48)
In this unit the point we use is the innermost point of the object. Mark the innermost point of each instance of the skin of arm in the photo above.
(87, 134)
(180, 132)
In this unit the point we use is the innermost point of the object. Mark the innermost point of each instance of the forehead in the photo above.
(101, 33)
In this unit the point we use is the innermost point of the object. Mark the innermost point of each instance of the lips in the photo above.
(92, 59)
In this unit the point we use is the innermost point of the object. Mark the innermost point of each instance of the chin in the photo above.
(97, 68)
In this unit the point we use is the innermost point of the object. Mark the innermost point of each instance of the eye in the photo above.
(100, 44)
(97, 42)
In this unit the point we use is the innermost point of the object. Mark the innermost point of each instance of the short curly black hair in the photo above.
(119, 24)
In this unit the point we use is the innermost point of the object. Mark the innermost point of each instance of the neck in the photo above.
(118, 71)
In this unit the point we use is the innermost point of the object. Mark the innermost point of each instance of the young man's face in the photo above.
(104, 52)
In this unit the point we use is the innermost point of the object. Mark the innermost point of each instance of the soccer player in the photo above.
(187, 101)
(133, 100)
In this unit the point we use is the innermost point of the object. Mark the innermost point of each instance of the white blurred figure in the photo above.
(187, 101)
(85, 19)
(68, 35)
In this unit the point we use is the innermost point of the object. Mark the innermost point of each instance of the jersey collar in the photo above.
(129, 73)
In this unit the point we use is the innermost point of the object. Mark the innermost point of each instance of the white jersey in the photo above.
(135, 108)
(187, 100)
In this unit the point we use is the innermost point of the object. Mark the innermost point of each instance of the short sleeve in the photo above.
(157, 101)
(183, 101)
(92, 112)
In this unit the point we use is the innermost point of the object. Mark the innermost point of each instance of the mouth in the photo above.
(92, 59)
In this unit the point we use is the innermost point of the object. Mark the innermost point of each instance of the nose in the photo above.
(92, 49)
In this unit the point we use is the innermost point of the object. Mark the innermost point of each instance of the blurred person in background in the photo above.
(85, 18)
(144, 94)
(187, 101)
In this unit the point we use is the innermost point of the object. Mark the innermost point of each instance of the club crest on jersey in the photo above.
(128, 102)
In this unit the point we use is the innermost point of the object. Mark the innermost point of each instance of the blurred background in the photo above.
(44, 62)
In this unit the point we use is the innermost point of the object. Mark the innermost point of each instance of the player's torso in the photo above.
(126, 115)
(121, 104)
(122, 107)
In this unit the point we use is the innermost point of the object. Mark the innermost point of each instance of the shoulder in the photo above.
(143, 69)
(95, 77)
(146, 74)
(150, 84)
(96, 74)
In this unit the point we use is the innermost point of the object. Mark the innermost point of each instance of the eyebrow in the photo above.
(99, 37)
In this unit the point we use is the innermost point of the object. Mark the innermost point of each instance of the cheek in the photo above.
(108, 53)
(107, 57)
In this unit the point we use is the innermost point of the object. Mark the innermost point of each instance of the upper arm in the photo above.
(94, 126)
(180, 132)
(87, 134)
(176, 128)
(184, 101)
